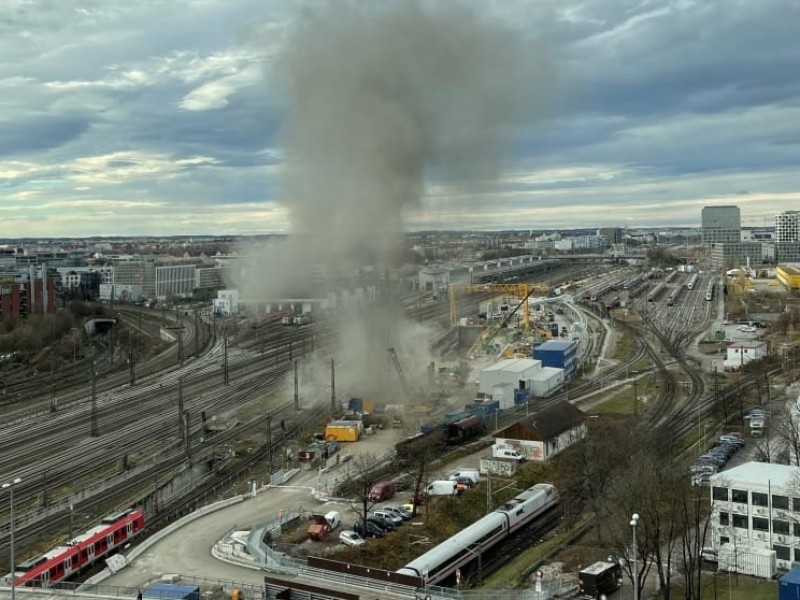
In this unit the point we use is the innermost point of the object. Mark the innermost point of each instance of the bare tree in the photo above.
(694, 523)
(366, 472)
(416, 457)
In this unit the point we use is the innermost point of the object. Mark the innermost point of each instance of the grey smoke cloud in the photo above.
(386, 95)
(382, 98)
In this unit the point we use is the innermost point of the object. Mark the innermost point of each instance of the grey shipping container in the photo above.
(172, 591)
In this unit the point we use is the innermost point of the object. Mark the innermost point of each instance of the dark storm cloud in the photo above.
(36, 134)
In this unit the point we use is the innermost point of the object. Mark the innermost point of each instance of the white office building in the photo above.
(755, 513)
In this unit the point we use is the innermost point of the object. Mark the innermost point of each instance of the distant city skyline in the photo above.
(158, 119)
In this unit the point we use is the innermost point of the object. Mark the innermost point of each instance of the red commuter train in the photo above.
(81, 551)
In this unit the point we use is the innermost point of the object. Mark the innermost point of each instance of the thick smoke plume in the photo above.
(384, 97)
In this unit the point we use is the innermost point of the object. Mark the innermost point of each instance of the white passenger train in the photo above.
(710, 290)
(438, 564)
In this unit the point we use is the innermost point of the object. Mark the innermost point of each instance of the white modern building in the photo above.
(227, 302)
(521, 374)
(756, 512)
(741, 353)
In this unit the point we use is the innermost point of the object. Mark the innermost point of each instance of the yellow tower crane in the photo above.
(518, 290)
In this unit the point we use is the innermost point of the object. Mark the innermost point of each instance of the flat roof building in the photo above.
(756, 508)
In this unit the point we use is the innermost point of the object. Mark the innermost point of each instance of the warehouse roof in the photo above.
(555, 345)
(514, 365)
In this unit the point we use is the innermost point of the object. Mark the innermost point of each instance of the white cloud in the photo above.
(215, 94)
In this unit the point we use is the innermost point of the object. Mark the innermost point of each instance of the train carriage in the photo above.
(710, 290)
(80, 552)
(440, 563)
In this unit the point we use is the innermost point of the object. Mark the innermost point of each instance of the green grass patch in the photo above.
(624, 348)
(748, 588)
(621, 403)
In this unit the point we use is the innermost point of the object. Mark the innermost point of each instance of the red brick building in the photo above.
(21, 299)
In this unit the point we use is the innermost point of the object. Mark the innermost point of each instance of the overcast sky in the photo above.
(159, 117)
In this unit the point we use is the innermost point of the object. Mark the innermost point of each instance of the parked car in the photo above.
(372, 530)
(397, 510)
(389, 515)
(383, 490)
(351, 538)
(717, 460)
(731, 439)
(384, 524)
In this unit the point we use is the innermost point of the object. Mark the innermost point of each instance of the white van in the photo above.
(334, 519)
(472, 474)
(500, 451)
(442, 488)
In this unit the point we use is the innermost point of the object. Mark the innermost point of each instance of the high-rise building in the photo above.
(787, 237)
(721, 225)
(787, 226)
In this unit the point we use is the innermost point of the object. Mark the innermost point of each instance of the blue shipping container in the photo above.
(789, 585)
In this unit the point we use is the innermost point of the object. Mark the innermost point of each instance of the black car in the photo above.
(384, 524)
(372, 531)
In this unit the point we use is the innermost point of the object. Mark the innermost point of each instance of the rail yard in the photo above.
(173, 432)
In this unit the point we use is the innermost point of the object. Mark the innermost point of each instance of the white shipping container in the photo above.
(758, 562)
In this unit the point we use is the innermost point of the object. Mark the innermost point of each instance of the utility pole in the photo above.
(131, 369)
(94, 432)
(269, 442)
(225, 359)
(187, 434)
(180, 406)
(180, 346)
(333, 388)
(715, 395)
(296, 388)
(635, 397)
(196, 333)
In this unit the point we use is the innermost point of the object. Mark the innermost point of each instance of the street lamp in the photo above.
(634, 572)
(9, 485)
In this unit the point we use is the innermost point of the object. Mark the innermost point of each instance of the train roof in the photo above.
(57, 551)
(113, 518)
(523, 497)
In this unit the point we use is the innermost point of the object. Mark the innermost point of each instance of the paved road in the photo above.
(187, 551)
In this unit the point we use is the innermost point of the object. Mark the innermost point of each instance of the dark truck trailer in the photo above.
(600, 578)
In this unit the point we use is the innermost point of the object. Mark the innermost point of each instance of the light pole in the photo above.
(9, 485)
(634, 572)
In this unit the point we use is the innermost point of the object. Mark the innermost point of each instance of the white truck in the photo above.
(501, 451)
(442, 488)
